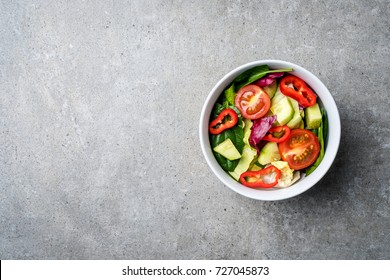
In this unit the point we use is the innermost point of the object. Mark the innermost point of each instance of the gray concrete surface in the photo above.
(99, 110)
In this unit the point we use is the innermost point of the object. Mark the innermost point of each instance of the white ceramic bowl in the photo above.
(304, 183)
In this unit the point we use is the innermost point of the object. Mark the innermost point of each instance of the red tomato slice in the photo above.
(253, 102)
(301, 149)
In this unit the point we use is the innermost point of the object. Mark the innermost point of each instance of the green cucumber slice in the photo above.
(271, 89)
(283, 110)
(269, 153)
(296, 119)
(227, 150)
(313, 117)
(248, 155)
(277, 96)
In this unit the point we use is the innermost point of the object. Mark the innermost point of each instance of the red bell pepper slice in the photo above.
(225, 120)
(255, 179)
(297, 89)
(277, 134)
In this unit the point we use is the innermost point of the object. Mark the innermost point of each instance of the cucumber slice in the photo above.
(313, 116)
(227, 150)
(248, 155)
(269, 153)
(294, 104)
(283, 110)
(296, 119)
(277, 97)
(271, 89)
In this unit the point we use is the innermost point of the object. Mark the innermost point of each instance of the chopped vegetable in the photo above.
(259, 130)
(225, 120)
(301, 149)
(286, 179)
(283, 110)
(297, 89)
(271, 89)
(252, 101)
(264, 178)
(313, 116)
(227, 150)
(322, 133)
(269, 153)
(277, 134)
(263, 82)
(297, 118)
(248, 155)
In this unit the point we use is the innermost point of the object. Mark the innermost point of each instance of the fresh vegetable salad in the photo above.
(267, 128)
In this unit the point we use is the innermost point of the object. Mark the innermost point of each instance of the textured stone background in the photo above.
(99, 111)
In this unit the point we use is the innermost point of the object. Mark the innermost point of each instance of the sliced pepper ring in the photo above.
(297, 89)
(277, 134)
(225, 120)
(255, 179)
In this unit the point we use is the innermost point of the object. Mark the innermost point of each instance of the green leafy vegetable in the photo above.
(230, 95)
(322, 134)
(325, 123)
(254, 74)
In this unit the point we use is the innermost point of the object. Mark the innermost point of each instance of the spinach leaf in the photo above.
(253, 74)
(217, 109)
(325, 122)
(247, 75)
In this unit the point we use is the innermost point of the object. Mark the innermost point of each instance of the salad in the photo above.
(267, 129)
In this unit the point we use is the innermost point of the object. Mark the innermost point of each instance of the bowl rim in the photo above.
(305, 183)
